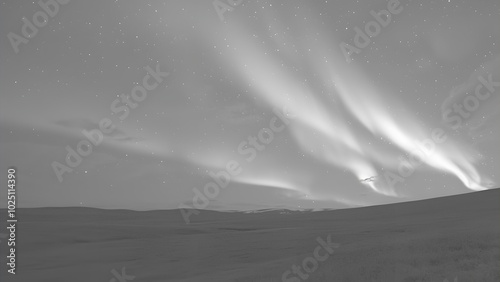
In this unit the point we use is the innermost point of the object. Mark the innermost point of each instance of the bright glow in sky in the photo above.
(349, 133)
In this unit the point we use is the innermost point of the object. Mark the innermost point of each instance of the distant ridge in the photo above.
(448, 204)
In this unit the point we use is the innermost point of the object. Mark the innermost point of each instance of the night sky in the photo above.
(264, 87)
